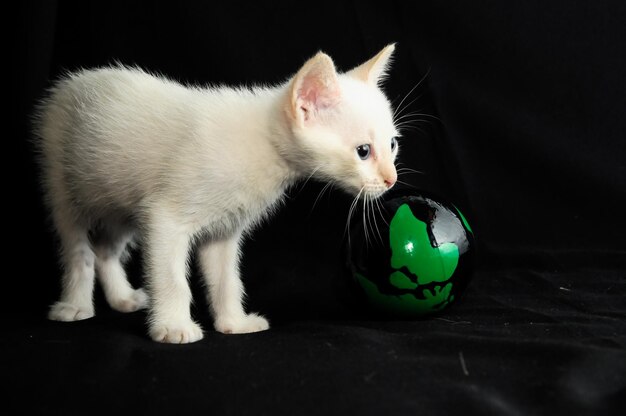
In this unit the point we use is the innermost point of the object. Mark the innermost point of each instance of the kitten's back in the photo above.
(98, 128)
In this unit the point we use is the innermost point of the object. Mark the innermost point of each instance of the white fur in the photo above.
(127, 154)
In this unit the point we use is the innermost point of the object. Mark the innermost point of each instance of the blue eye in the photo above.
(364, 151)
(394, 143)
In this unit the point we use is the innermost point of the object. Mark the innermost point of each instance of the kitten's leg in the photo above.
(111, 252)
(219, 261)
(76, 300)
(167, 247)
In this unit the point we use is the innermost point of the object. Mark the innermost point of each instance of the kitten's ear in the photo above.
(374, 71)
(315, 87)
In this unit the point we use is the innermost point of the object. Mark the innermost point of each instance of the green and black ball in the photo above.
(416, 260)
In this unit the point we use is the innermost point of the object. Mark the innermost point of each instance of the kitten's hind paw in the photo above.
(67, 312)
(136, 300)
(179, 333)
(243, 325)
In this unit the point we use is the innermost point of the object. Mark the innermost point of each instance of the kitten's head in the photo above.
(343, 124)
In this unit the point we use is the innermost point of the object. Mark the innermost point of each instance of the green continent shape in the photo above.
(407, 304)
(411, 248)
(401, 281)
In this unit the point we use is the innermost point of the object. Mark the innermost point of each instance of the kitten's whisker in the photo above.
(398, 111)
(380, 211)
(405, 128)
(404, 171)
(351, 213)
(313, 173)
(416, 114)
(365, 220)
(412, 123)
(407, 184)
(373, 202)
(319, 195)
(399, 108)
(368, 215)
(308, 178)
(406, 106)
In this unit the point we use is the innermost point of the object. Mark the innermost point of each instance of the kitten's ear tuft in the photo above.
(374, 71)
(315, 87)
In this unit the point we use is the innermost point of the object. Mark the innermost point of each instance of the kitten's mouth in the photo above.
(373, 192)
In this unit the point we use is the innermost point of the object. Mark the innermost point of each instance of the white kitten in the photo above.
(124, 151)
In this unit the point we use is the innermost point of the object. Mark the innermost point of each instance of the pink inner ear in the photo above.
(317, 93)
(308, 93)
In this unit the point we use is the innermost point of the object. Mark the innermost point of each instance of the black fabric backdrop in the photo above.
(529, 142)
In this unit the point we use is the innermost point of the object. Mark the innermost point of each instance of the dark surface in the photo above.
(530, 143)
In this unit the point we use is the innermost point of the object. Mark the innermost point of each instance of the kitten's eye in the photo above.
(394, 143)
(363, 151)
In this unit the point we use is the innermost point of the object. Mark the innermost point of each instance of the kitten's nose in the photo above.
(390, 181)
(388, 175)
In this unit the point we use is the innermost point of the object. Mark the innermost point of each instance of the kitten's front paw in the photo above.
(178, 333)
(242, 325)
(138, 299)
(67, 312)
